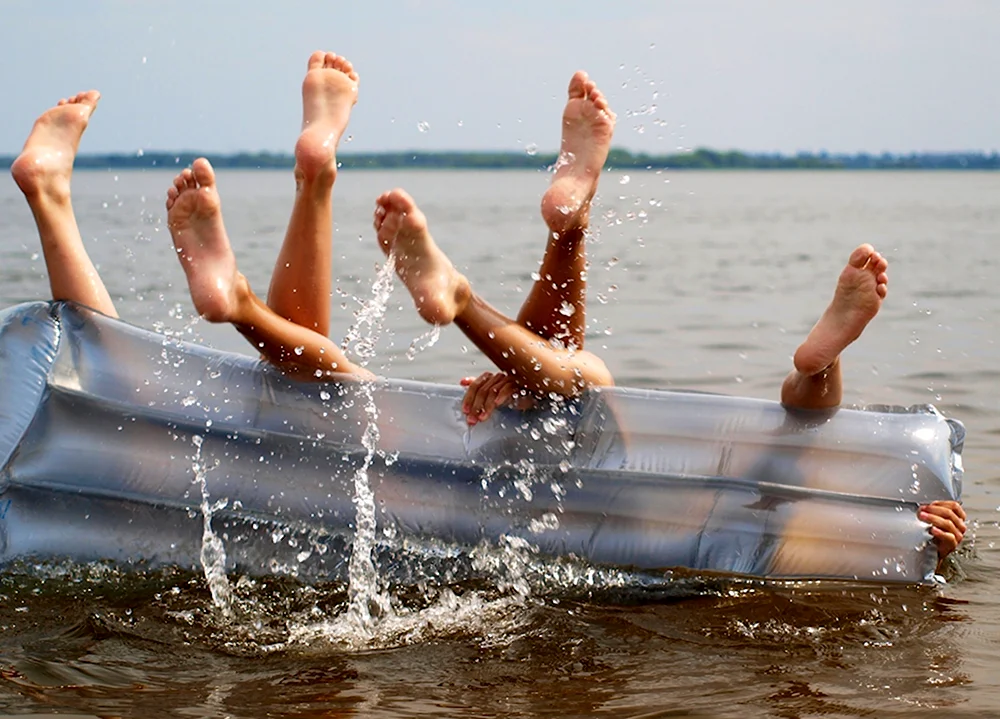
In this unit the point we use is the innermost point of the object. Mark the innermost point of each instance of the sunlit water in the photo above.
(699, 281)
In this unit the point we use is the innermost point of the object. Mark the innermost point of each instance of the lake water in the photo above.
(702, 281)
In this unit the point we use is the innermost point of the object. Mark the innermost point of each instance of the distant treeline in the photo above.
(701, 159)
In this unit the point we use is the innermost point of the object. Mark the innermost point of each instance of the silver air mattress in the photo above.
(106, 430)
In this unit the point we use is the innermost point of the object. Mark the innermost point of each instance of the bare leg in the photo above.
(222, 294)
(555, 306)
(443, 295)
(816, 381)
(301, 284)
(43, 171)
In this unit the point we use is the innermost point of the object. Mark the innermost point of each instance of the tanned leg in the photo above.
(222, 294)
(443, 295)
(301, 284)
(816, 382)
(43, 171)
(556, 304)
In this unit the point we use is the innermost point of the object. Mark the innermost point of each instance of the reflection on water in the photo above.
(704, 282)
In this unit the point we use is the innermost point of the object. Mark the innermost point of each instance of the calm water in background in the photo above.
(699, 280)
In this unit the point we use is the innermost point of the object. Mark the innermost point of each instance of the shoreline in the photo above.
(617, 160)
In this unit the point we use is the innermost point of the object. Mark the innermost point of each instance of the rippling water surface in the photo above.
(699, 280)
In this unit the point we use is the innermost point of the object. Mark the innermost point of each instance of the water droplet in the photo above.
(324, 395)
(423, 126)
(625, 180)
(546, 522)
(531, 149)
(567, 309)
(299, 350)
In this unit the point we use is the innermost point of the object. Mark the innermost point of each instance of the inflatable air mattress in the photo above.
(107, 430)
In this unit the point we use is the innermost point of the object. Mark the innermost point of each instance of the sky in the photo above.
(757, 75)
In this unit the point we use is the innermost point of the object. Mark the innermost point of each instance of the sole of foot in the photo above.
(194, 217)
(329, 91)
(588, 125)
(439, 291)
(861, 287)
(45, 165)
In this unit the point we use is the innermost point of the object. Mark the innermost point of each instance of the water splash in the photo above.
(213, 552)
(424, 342)
(367, 327)
(449, 614)
(565, 158)
(366, 602)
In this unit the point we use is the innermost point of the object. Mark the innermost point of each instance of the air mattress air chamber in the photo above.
(107, 430)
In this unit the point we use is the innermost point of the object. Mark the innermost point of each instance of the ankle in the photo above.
(41, 187)
(315, 181)
(569, 235)
(242, 298)
(464, 299)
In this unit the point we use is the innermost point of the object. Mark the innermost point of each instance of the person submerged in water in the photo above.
(815, 381)
(300, 287)
(544, 345)
(539, 354)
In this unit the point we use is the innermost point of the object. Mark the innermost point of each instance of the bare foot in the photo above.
(328, 94)
(860, 290)
(439, 290)
(587, 127)
(45, 164)
(194, 216)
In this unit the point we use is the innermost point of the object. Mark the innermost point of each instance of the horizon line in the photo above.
(138, 154)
